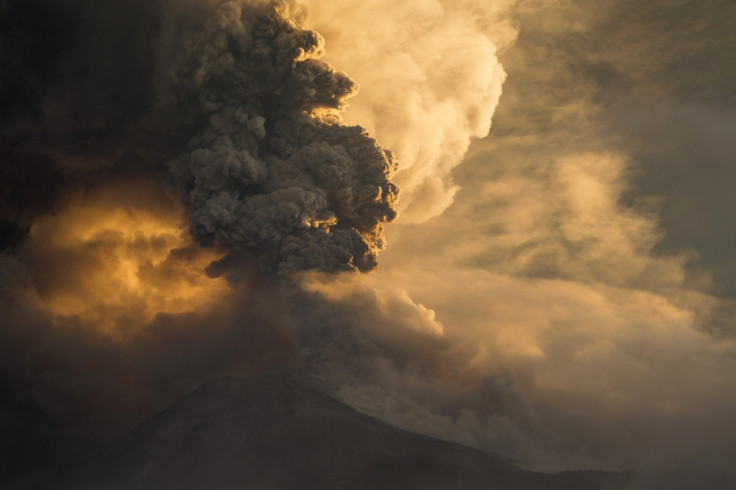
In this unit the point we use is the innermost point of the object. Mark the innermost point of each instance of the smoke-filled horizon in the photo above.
(562, 275)
(197, 188)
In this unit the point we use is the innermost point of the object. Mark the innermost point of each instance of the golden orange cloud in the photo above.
(113, 262)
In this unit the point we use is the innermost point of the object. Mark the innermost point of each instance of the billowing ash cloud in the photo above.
(272, 171)
(549, 328)
(140, 141)
(267, 168)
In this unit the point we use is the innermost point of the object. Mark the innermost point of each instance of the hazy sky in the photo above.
(560, 290)
(587, 256)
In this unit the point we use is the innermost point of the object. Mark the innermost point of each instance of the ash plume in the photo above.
(139, 142)
(272, 171)
(237, 106)
(178, 191)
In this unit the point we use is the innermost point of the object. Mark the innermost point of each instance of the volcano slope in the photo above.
(277, 432)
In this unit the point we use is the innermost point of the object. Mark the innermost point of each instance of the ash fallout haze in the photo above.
(199, 188)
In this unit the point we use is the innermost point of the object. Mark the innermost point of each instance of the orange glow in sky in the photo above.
(112, 263)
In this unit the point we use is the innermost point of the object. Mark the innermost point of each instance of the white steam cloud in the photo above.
(538, 315)
(430, 81)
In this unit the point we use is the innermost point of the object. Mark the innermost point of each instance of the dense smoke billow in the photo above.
(272, 171)
(186, 193)
(149, 148)
(264, 166)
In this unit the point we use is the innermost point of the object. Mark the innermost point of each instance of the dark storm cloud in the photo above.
(66, 98)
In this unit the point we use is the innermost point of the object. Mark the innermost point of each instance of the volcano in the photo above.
(277, 432)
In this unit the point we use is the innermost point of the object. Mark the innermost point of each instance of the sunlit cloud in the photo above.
(112, 262)
(536, 295)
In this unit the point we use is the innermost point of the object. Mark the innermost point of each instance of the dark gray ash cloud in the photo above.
(272, 171)
(236, 103)
(226, 108)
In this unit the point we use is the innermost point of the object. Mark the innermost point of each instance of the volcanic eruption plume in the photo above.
(149, 148)
(215, 137)
(272, 171)
(185, 193)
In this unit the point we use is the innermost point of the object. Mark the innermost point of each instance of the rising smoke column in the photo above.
(224, 107)
(266, 166)
(272, 172)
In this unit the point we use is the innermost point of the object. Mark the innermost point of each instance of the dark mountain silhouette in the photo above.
(284, 432)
